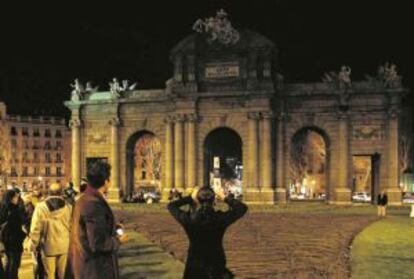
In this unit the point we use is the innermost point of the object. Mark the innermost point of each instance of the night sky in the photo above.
(44, 50)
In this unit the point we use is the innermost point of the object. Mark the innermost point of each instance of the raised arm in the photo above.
(174, 208)
(236, 210)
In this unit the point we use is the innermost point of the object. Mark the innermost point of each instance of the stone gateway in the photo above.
(226, 113)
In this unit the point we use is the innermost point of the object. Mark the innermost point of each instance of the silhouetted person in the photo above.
(12, 234)
(382, 202)
(205, 228)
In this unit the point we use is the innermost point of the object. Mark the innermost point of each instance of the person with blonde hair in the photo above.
(49, 232)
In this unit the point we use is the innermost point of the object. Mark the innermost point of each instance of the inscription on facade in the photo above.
(97, 138)
(222, 70)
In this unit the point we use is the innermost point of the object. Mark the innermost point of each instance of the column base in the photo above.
(341, 196)
(165, 194)
(280, 194)
(113, 195)
(260, 196)
(394, 196)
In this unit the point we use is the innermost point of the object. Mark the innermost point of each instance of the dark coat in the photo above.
(205, 229)
(93, 243)
(382, 200)
(12, 234)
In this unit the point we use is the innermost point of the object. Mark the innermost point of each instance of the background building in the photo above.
(35, 150)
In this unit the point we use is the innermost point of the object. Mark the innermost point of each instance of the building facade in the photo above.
(36, 151)
(226, 112)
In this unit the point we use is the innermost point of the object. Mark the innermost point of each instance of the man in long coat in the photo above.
(94, 242)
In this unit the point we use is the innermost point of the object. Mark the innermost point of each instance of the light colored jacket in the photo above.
(51, 226)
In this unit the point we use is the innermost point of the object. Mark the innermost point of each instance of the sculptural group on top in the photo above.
(388, 75)
(218, 28)
(79, 89)
(342, 78)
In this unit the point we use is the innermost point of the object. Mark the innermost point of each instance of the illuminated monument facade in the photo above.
(227, 112)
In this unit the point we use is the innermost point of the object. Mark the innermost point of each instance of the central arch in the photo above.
(309, 165)
(143, 161)
(223, 158)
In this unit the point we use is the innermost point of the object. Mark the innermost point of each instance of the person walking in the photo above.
(205, 228)
(12, 235)
(94, 242)
(382, 202)
(49, 231)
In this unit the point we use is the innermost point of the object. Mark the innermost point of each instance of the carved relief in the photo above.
(368, 132)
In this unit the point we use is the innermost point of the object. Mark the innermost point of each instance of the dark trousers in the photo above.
(38, 270)
(13, 260)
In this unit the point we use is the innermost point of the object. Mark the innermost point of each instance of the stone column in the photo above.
(114, 190)
(191, 151)
(179, 153)
(251, 190)
(342, 191)
(267, 194)
(75, 125)
(280, 165)
(393, 191)
(266, 152)
(169, 158)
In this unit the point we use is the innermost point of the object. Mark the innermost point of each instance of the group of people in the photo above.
(76, 236)
(70, 234)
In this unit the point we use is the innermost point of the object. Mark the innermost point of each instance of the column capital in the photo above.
(179, 117)
(267, 114)
(393, 113)
(253, 115)
(342, 115)
(75, 123)
(169, 119)
(114, 122)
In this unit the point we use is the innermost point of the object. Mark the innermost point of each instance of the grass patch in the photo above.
(385, 249)
(140, 258)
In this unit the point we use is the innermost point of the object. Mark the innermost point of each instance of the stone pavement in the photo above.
(139, 259)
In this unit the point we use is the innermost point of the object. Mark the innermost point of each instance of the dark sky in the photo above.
(45, 47)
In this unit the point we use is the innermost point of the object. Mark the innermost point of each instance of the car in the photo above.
(152, 197)
(361, 197)
(295, 196)
(408, 199)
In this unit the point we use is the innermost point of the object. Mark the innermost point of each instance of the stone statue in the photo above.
(115, 88)
(199, 26)
(132, 86)
(344, 77)
(77, 90)
(391, 77)
(126, 87)
(218, 29)
(90, 88)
